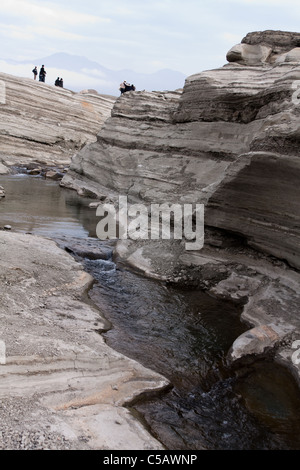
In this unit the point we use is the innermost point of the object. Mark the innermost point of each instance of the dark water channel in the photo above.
(184, 335)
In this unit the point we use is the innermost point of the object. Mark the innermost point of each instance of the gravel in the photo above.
(21, 430)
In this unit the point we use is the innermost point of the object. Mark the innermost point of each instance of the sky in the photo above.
(141, 35)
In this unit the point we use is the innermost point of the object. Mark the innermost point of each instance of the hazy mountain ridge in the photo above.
(80, 73)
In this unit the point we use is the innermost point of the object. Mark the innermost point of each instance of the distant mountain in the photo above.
(81, 73)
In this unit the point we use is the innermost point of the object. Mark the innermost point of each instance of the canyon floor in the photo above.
(61, 386)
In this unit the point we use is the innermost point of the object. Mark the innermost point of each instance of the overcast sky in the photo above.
(143, 35)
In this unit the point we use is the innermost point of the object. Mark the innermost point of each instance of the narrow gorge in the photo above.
(229, 139)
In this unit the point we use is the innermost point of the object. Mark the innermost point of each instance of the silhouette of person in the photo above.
(35, 72)
(125, 86)
(122, 87)
(42, 74)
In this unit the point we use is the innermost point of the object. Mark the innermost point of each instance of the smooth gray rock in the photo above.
(61, 382)
(229, 140)
(258, 340)
(47, 124)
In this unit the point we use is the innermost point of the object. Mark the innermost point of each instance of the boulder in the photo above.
(3, 169)
(250, 55)
(53, 175)
(34, 171)
(258, 341)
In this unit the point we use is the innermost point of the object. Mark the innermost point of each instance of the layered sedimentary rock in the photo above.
(266, 46)
(230, 139)
(46, 124)
(61, 386)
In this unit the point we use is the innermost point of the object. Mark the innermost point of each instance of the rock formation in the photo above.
(61, 386)
(229, 140)
(45, 124)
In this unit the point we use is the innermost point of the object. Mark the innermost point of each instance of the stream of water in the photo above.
(184, 335)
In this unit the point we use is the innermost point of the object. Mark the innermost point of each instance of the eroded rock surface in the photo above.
(46, 124)
(229, 139)
(61, 386)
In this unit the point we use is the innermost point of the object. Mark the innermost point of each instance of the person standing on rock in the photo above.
(122, 87)
(42, 74)
(35, 72)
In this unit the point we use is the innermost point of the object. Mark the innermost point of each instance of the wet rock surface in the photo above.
(265, 287)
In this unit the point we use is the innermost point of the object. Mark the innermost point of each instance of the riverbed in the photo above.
(182, 334)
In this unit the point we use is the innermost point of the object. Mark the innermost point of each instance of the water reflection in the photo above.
(183, 335)
(40, 206)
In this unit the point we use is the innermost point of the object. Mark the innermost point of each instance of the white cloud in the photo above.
(47, 13)
(11, 31)
(29, 33)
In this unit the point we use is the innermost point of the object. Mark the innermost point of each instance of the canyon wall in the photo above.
(46, 124)
(229, 139)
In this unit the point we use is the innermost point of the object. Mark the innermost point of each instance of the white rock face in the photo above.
(46, 124)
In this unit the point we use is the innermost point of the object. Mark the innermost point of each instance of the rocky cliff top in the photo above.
(46, 124)
(279, 41)
(266, 46)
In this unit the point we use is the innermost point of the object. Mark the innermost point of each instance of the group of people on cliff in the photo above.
(125, 86)
(42, 73)
(42, 76)
(59, 82)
